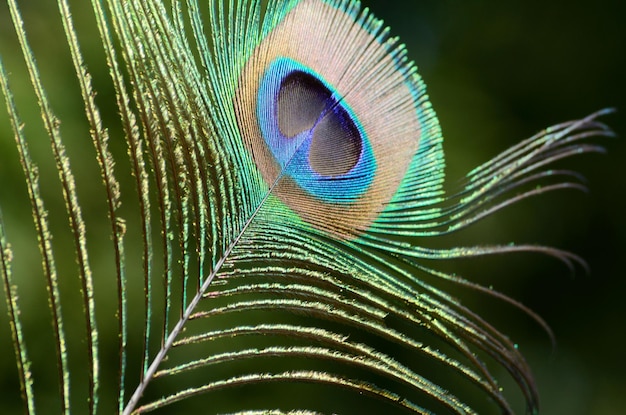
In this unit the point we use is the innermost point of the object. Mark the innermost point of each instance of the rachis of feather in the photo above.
(290, 160)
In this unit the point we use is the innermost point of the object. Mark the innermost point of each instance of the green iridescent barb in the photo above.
(267, 220)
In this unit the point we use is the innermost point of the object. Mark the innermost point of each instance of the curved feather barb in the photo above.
(267, 226)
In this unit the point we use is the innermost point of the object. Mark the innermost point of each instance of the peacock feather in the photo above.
(269, 184)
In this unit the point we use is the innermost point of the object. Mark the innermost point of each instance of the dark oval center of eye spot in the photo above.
(336, 146)
(301, 100)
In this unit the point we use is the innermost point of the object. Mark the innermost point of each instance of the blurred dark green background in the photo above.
(497, 72)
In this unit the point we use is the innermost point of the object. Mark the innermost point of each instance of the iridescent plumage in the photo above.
(293, 166)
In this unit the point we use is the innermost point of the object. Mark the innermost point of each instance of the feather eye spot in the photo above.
(333, 142)
(305, 105)
(312, 133)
